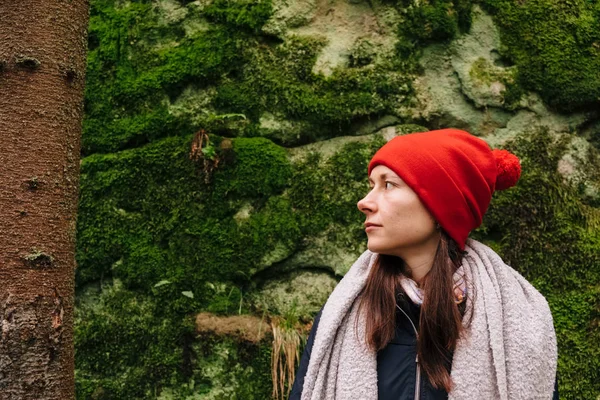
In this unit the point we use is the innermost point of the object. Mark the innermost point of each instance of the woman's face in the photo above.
(396, 220)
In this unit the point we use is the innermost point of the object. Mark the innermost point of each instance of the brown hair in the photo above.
(440, 321)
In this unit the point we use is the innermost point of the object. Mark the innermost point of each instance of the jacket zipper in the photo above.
(418, 382)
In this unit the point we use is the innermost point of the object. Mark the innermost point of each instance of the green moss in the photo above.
(128, 346)
(246, 14)
(576, 318)
(554, 44)
(432, 21)
(484, 72)
(275, 229)
(149, 221)
(548, 236)
(410, 128)
(137, 64)
(363, 53)
(149, 209)
(229, 369)
(280, 79)
(142, 216)
(261, 169)
(296, 296)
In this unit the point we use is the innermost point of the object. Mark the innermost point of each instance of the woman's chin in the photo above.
(375, 247)
(383, 248)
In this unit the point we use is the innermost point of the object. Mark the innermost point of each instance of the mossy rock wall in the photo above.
(226, 144)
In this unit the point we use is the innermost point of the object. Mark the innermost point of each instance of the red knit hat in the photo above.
(454, 174)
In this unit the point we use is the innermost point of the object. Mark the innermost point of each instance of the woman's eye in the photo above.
(388, 185)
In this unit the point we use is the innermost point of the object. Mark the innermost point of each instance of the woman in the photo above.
(425, 312)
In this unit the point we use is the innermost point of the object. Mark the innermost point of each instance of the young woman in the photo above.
(425, 312)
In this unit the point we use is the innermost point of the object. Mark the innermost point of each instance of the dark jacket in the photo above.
(396, 363)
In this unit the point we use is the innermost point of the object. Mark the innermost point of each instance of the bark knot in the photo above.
(33, 183)
(27, 62)
(69, 72)
(38, 260)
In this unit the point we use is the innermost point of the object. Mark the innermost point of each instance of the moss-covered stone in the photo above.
(148, 219)
(280, 79)
(455, 90)
(448, 94)
(580, 167)
(552, 238)
(128, 346)
(495, 85)
(555, 46)
(226, 369)
(289, 209)
(218, 233)
(432, 21)
(141, 61)
(261, 169)
(300, 293)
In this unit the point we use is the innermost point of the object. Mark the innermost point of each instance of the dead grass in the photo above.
(284, 358)
(246, 327)
(286, 343)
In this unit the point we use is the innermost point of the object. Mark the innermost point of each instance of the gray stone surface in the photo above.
(344, 25)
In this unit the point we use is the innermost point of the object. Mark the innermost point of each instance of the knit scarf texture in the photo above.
(415, 293)
(508, 352)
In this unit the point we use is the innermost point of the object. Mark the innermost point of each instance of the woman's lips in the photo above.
(370, 227)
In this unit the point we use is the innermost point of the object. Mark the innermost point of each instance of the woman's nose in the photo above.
(366, 204)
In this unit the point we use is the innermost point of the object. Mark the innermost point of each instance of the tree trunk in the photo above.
(43, 46)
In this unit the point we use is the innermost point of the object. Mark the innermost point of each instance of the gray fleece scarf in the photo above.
(508, 351)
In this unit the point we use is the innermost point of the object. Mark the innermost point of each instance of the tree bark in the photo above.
(43, 46)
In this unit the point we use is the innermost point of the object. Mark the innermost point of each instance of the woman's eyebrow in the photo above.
(384, 176)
